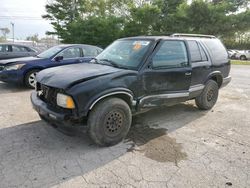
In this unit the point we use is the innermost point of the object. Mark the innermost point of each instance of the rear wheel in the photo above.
(30, 78)
(207, 99)
(109, 121)
(243, 57)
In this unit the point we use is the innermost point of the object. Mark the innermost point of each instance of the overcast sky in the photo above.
(26, 15)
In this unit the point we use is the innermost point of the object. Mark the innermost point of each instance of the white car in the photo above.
(243, 55)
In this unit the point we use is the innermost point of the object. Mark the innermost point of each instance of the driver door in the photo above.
(168, 77)
(71, 56)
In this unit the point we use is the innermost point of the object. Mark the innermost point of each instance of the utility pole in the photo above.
(13, 31)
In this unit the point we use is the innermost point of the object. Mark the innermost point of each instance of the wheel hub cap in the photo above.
(113, 123)
(32, 79)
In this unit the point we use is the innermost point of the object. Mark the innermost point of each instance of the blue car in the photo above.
(23, 70)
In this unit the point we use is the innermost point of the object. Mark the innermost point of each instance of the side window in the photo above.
(71, 53)
(203, 54)
(90, 51)
(172, 54)
(194, 51)
(4, 48)
(19, 49)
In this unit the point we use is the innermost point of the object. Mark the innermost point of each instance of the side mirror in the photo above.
(58, 58)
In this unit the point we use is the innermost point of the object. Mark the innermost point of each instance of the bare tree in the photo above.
(5, 31)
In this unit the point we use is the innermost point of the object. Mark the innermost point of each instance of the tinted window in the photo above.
(71, 53)
(217, 50)
(203, 54)
(19, 49)
(4, 48)
(194, 51)
(172, 54)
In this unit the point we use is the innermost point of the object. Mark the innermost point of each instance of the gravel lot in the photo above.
(177, 146)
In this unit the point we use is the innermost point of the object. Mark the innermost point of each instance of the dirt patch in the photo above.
(155, 144)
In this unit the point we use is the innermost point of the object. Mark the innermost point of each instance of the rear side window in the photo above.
(196, 52)
(217, 50)
(172, 54)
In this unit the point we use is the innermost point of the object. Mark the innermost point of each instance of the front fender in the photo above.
(107, 93)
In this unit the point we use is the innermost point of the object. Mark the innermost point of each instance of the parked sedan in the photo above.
(8, 51)
(243, 55)
(24, 70)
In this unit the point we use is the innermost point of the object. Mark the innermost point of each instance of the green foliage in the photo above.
(99, 31)
(99, 22)
(238, 62)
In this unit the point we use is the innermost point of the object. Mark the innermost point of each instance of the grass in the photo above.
(239, 62)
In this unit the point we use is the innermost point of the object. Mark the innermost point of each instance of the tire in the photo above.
(109, 122)
(30, 79)
(243, 57)
(207, 99)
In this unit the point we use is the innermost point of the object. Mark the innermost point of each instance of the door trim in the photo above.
(193, 89)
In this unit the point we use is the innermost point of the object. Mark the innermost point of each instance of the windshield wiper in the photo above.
(112, 63)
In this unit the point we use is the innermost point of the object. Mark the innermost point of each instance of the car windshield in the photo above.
(126, 54)
(50, 52)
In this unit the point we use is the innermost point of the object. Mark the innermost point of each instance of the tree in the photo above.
(5, 31)
(100, 22)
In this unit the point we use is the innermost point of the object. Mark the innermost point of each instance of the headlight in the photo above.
(14, 67)
(65, 101)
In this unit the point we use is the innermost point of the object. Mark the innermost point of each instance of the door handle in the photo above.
(188, 74)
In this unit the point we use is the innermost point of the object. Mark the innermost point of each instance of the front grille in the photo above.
(1, 68)
(47, 94)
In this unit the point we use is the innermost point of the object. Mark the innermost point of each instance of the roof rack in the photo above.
(192, 35)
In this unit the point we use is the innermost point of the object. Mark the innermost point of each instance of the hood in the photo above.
(19, 60)
(65, 76)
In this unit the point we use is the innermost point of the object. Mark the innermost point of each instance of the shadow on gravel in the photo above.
(11, 88)
(37, 155)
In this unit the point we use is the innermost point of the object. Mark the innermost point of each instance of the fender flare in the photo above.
(109, 93)
(215, 74)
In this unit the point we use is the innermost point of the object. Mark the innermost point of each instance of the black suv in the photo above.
(130, 76)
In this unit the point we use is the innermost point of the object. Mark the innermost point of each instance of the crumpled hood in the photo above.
(63, 77)
(19, 60)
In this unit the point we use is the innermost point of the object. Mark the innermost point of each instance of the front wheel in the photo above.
(109, 121)
(30, 79)
(207, 99)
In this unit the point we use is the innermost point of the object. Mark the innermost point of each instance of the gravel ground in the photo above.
(176, 146)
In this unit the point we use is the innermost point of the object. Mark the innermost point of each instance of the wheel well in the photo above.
(24, 76)
(127, 98)
(218, 79)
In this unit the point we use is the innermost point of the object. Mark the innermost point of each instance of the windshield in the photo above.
(124, 53)
(50, 52)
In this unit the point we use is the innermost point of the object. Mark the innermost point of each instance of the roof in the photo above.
(177, 36)
(72, 45)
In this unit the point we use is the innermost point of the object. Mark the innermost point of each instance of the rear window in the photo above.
(217, 50)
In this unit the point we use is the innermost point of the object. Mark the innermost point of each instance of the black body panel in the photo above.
(143, 88)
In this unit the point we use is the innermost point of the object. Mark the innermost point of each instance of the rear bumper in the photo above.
(226, 81)
(52, 116)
